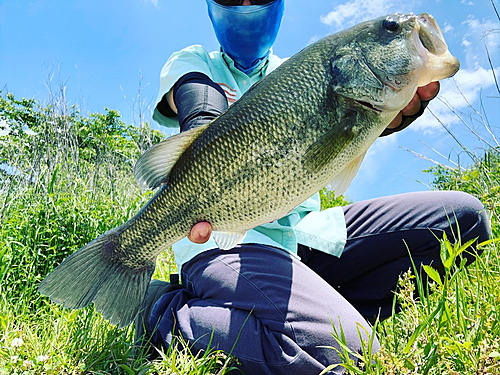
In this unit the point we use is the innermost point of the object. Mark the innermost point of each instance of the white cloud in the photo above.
(313, 39)
(455, 93)
(466, 43)
(355, 11)
(28, 131)
(478, 34)
(154, 2)
(5, 128)
(485, 30)
(465, 2)
(447, 28)
(374, 169)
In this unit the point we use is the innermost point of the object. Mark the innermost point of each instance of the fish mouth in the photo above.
(370, 106)
(428, 39)
(430, 35)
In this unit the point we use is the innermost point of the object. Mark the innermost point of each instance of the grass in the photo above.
(452, 327)
(62, 191)
(37, 336)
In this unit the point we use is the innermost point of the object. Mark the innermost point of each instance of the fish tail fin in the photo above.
(93, 274)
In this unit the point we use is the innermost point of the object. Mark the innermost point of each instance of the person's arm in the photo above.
(196, 100)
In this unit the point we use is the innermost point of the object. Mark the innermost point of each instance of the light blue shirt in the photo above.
(306, 224)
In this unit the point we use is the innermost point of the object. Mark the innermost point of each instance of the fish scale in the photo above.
(304, 125)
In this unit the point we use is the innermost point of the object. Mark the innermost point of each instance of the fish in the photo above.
(306, 125)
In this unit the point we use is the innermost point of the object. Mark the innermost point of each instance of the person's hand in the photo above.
(424, 93)
(200, 232)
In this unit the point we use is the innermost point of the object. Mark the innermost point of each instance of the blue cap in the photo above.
(246, 33)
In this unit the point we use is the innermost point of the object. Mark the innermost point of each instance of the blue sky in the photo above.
(103, 50)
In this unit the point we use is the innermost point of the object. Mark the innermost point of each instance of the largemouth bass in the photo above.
(307, 124)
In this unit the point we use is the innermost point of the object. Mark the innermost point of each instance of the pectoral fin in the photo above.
(331, 144)
(227, 240)
(154, 166)
(342, 181)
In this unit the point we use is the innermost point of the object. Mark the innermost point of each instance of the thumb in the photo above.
(200, 233)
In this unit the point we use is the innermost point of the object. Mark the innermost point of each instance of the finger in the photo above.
(413, 106)
(429, 91)
(396, 122)
(200, 233)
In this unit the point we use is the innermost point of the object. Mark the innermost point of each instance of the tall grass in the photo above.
(64, 180)
(452, 327)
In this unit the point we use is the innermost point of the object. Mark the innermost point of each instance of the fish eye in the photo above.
(390, 25)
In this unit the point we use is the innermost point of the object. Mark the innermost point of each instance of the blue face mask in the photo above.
(246, 33)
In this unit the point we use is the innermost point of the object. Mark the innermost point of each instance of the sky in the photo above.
(109, 54)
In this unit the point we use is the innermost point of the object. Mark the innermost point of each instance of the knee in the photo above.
(472, 218)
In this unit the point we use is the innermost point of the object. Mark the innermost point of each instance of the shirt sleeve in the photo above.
(190, 59)
(324, 231)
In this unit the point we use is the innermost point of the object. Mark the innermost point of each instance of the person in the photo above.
(274, 299)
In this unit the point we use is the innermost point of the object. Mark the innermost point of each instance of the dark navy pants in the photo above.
(274, 312)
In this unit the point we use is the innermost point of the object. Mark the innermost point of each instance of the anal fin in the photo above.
(227, 240)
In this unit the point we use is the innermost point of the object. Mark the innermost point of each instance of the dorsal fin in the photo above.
(154, 166)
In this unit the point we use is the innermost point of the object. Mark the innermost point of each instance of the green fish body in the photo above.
(307, 124)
